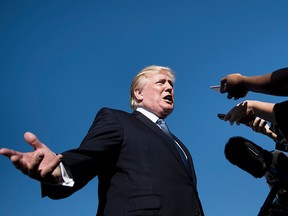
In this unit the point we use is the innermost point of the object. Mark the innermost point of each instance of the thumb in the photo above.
(31, 139)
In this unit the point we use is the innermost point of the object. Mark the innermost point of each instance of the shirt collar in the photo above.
(148, 114)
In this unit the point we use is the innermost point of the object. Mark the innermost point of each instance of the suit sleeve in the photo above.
(96, 155)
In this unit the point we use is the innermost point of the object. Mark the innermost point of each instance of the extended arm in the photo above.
(254, 114)
(96, 155)
(237, 85)
(247, 110)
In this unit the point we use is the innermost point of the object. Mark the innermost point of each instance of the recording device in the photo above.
(259, 162)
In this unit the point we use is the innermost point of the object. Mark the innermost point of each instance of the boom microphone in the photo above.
(248, 156)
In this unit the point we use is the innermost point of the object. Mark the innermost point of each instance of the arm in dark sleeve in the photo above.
(281, 116)
(274, 83)
(97, 154)
(278, 82)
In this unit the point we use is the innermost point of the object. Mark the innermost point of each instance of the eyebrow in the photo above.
(163, 80)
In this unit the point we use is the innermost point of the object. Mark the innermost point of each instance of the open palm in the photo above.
(41, 164)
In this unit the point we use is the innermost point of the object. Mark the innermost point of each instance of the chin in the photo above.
(168, 111)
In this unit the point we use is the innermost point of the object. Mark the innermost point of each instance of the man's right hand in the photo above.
(41, 164)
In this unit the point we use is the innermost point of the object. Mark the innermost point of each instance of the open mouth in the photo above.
(168, 99)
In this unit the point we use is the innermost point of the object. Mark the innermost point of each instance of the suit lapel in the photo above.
(165, 138)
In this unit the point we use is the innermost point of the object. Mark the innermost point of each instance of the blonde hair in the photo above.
(141, 78)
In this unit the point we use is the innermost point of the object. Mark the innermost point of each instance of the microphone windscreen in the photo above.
(248, 156)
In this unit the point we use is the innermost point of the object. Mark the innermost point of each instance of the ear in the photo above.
(138, 94)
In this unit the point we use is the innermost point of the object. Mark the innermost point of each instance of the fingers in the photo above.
(232, 84)
(8, 152)
(223, 85)
(233, 116)
(261, 126)
(229, 117)
(229, 96)
(51, 173)
(40, 171)
(34, 165)
(32, 140)
(273, 135)
(26, 166)
(41, 164)
(258, 125)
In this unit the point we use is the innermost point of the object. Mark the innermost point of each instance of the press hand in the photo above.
(232, 84)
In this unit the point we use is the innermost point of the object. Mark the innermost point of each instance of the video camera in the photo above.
(259, 162)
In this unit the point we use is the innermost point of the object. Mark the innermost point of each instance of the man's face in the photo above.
(157, 95)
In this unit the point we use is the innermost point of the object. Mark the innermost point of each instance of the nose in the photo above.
(168, 87)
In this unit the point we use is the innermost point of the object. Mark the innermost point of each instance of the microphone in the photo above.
(248, 156)
(255, 160)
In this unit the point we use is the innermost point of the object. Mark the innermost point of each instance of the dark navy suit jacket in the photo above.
(139, 169)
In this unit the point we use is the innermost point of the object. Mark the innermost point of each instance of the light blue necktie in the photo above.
(166, 130)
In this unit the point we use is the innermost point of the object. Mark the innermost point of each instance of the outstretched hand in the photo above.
(41, 164)
(241, 113)
(232, 84)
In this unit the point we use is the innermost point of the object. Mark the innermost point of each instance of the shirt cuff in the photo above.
(67, 180)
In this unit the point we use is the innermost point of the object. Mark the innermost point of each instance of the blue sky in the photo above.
(61, 61)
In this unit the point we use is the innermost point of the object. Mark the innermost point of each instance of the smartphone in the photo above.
(221, 116)
(216, 88)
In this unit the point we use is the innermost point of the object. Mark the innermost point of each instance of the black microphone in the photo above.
(248, 156)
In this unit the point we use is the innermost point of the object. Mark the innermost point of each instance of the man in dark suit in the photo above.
(142, 168)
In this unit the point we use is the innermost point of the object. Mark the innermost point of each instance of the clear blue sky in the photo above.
(61, 61)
